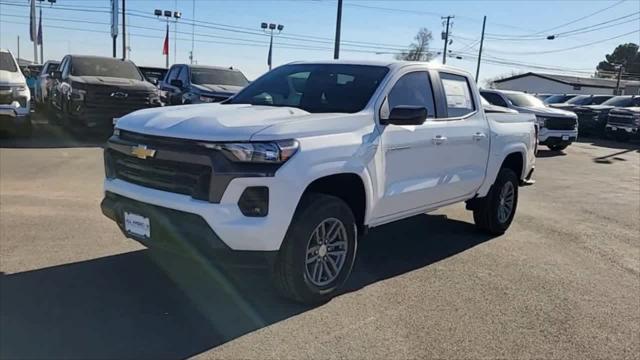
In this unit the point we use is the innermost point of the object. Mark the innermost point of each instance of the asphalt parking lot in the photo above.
(564, 282)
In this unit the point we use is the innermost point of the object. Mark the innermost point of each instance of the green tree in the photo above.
(625, 54)
(419, 48)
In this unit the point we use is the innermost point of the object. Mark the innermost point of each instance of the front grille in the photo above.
(587, 117)
(560, 123)
(6, 99)
(171, 176)
(100, 98)
(622, 119)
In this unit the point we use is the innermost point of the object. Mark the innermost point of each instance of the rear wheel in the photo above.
(557, 147)
(494, 213)
(319, 250)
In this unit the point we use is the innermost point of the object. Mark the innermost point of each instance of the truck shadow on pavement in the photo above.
(146, 304)
(47, 136)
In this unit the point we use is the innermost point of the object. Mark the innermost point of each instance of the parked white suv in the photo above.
(558, 128)
(299, 164)
(15, 97)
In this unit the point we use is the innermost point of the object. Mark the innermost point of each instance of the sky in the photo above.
(227, 32)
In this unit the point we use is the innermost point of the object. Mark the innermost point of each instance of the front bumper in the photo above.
(179, 231)
(629, 130)
(557, 137)
(101, 117)
(11, 118)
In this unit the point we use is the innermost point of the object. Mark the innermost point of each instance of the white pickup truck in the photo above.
(300, 163)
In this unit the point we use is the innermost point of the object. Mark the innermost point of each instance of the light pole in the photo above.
(270, 28)
(169, 15)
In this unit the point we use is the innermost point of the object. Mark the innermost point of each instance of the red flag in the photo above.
(165, 47)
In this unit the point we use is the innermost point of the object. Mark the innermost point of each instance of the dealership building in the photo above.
(540, 83)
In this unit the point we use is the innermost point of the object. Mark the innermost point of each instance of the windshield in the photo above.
(524, 100)
(581, 100)
(50, 67)
(316, 88)
(484, 101)
(107, 67)
(621, 101)
(555, 99)
(208, 76)
(7, 63)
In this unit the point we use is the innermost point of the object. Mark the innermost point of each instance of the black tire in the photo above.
(26, 130)
(621, 136)
(290, 269)
(557, 147)
(485, 213)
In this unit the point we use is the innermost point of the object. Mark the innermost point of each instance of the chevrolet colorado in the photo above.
(300, 163)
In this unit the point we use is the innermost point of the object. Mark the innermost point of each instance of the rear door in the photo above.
(468, 136)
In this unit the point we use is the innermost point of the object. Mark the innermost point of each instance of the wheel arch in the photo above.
(353, 188)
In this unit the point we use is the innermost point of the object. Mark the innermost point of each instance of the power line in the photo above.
(581, 18)
(572, 32)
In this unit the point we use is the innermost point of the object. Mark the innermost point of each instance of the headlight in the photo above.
(78, 94)
(19, 90)
(207, 99)
(257, 152)
(541, 120)
(116, 132)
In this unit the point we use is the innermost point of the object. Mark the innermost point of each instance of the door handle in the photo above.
(479, 136)
(439, 139)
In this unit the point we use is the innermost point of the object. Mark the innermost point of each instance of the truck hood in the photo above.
(233, 122)
(546, 111)
(11, 78)
(125, 84)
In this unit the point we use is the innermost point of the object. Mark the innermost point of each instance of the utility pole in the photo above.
(484, 22)
(620, 68)
(18, 46)
(193, 29)
(446, 38)
(114, 25)
(336, 47)
(124, 31)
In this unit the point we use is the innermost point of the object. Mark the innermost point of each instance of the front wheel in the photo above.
(318, 252)
(557, 147)
(494, 213)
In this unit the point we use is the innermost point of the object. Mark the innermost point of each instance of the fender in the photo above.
(496, 161)
(340, 167)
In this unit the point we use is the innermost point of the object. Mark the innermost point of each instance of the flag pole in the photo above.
(34, 35)
(41, 36)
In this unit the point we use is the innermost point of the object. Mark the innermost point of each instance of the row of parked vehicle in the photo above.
(92, 92)
(601, 115)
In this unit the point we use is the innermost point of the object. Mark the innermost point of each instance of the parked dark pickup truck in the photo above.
(624, 123)
(593, 118)
(93, 92)
(195, 84)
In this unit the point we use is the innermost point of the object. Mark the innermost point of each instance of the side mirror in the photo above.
(177, 83)
(56, 74)
(406, 115)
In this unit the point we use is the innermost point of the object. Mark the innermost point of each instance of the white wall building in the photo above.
(539, 83)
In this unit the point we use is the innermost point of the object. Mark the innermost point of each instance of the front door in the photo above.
(412, 155)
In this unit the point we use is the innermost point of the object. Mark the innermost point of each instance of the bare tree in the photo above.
(419, 49)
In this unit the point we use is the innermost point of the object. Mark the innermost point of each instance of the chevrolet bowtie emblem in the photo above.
(142, 152)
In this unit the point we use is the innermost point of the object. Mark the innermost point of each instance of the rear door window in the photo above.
(457, 94)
